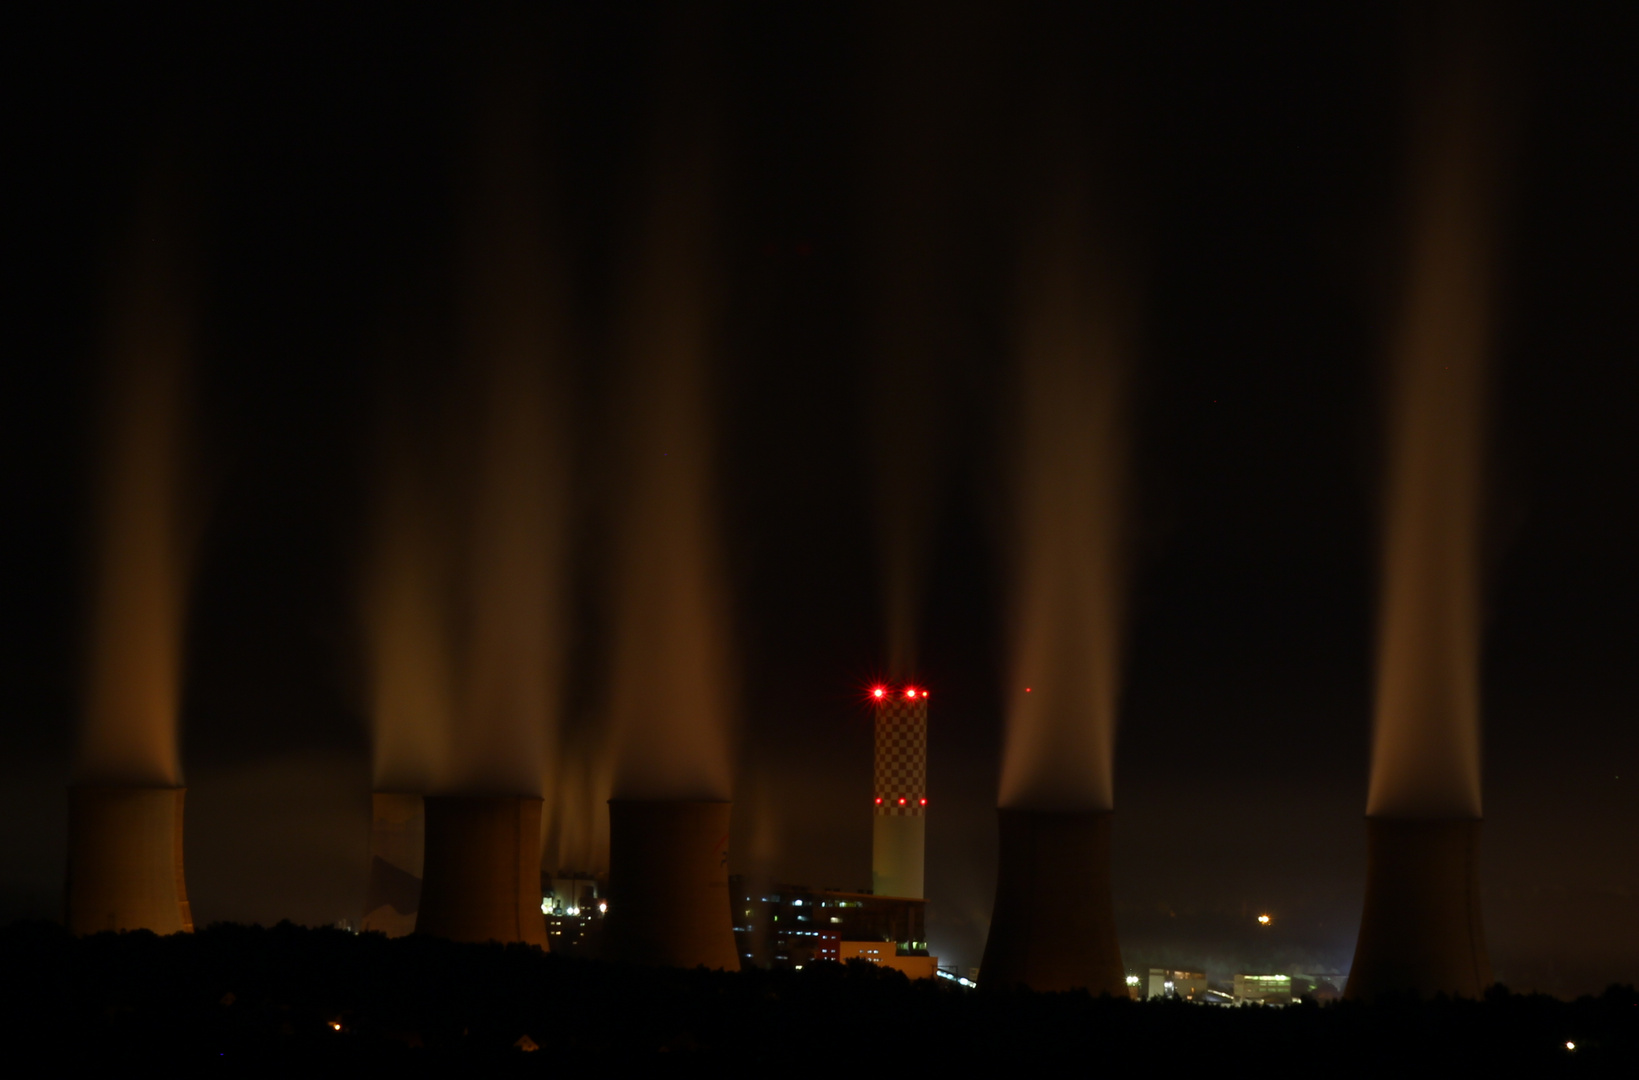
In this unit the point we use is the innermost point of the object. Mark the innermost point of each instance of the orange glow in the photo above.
(1263, 920)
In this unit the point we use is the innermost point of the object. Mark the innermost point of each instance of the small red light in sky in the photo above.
(879, 693)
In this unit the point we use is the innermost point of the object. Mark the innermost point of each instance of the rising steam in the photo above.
(129, 729)
(465, 602)
(1426, 735)
(1068, 475)
(669, 697)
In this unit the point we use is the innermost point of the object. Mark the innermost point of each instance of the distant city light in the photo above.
(603, 906)
(1132, 980)
(546, 905)
(1263, 920)
(1570, 1046)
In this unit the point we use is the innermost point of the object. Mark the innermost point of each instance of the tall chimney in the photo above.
(899, 826)
(1421, 931)
(482, 878)
(668, 884)
(1053, 925)
(125, 860)
(393, 895)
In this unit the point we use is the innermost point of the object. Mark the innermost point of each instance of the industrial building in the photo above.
(574, 903)
(788, 926)
(1170, 983)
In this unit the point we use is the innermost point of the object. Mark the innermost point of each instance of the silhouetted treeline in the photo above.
(250, 1001)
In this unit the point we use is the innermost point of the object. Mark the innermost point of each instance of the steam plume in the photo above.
(466, 601)
(670, 703)
(1426, 735)
(129, 728)
(1069, 475)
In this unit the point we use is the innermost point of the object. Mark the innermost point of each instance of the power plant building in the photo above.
(789, 926)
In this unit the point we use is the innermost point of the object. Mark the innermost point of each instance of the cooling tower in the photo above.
(668, 884)
(899, 827)
(1053, 925)
(482, 879)
(1421, 930)
(125, 860)
(397, 827)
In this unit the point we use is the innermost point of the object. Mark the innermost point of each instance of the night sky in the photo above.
(1254, 156)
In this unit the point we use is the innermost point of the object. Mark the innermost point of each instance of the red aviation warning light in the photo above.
(879, 693)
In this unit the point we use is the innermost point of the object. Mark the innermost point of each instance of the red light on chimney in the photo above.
(924, 802)
(879, 800)
(901, 801)
(879, 693)
(910, 693)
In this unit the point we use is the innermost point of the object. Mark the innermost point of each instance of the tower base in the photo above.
(393, 895)
(668, 885)
(1053, 925)
(1421, 931)
(482, 864)
(125, 860)
(898, 851)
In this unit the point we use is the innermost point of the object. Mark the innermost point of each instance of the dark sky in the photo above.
(1254, 156)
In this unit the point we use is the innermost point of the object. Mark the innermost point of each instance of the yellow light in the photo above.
(335, 1025)
(1263, 920)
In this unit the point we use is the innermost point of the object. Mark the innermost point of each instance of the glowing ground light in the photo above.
(1263, 920)
(1570, 1046)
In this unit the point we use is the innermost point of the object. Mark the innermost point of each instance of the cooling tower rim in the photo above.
(671, 802)
(106, 786)
(1036, 811)
(468, 796)
(1412, 819)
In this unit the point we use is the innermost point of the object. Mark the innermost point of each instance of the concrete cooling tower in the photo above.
(125, 860)
(668, 885)
(482, 878)
(899, 827)
(1053, 926)
(393, 895)
(1421, 931)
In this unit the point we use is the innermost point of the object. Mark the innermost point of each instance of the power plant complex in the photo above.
(468, 868)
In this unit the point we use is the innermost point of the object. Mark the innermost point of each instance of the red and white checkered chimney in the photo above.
(898, 833)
